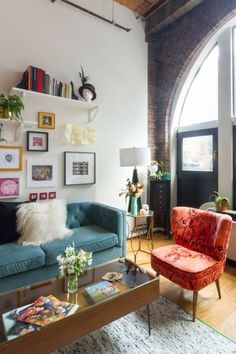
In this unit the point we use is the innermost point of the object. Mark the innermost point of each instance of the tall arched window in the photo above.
(201, 101)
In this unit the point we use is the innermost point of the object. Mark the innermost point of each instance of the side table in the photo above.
(142, 231)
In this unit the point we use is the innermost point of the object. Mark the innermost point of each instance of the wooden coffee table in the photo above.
(137, 289)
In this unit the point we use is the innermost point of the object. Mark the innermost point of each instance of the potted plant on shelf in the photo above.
(11, 107)
(86, 90)
(221, 202)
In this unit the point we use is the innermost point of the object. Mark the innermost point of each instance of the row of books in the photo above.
(44, 311)
(36, 79)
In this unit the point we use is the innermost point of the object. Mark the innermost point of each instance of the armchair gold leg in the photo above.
(195, 294)
(218, 287)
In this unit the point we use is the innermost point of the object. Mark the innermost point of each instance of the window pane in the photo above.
(201, 102)
(197, 153)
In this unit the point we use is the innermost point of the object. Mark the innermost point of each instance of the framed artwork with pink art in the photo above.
(9, 187)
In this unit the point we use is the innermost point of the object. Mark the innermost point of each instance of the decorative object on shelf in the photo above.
(134, 191)
(37, 141)
(77, 134)
(52, 195)
(73, 95)
(72, 263)
(134, 157)
(79, 168)
(11, 107)
(9, 187)
(2, 140)
(86, 91)
(162, 172)
(46, 120)
(153, 168)
(33, 197)
(221, 202)
(146, 208)
(11, 158)
(41, 173)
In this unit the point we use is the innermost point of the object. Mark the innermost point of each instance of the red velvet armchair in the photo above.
(198, 257)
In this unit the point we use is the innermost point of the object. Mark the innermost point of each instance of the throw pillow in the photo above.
(38, 223)
(8, 221)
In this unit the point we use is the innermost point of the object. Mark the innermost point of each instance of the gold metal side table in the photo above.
(143, 231)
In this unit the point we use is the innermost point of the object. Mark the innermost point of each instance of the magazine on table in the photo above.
(32, 317)
(101, 291)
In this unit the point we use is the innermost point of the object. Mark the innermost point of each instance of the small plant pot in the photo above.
(4, 113)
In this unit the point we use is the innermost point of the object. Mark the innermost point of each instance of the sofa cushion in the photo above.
(90, 238)
(38, 223)
(16, 258)
(8, 221)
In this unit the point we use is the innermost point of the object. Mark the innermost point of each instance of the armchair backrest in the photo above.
(202, 231)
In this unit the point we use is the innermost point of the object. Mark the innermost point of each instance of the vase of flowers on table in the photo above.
(134, 191)
(71, 264)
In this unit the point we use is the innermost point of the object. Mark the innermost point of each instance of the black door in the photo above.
(197, 166)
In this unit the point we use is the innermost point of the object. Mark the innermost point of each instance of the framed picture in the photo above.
(11, 158)
(33, 196)
(46, 120)
(52, 195)
(41, 173)
(37, 141)
(79, 168)
(9, 187)
(43, 196)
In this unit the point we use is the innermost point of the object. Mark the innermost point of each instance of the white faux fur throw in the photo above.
(38, 223)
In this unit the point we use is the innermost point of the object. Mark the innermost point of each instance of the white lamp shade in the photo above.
(134, 157)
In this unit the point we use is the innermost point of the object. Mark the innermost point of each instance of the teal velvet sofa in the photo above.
(96, 228)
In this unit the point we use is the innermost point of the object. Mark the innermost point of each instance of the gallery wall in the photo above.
(58, 38)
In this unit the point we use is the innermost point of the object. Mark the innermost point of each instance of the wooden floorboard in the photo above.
(219, 314)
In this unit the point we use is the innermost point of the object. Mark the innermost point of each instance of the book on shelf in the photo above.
(32, 317)
(36, 79)
(101, 291)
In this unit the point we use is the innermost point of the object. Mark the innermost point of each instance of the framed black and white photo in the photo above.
(37, 141)
(41, 173)
(79, 168)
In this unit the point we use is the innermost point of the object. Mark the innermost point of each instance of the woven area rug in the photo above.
(173, 332)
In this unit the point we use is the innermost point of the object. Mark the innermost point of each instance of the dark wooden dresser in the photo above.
(160, 204)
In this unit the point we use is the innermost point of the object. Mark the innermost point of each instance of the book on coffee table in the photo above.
(101, 291)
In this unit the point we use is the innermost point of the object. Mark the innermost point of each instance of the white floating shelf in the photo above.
(92, 108)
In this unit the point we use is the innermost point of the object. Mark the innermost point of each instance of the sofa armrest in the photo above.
(111, 219)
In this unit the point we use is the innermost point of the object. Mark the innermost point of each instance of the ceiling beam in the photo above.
(168, 13)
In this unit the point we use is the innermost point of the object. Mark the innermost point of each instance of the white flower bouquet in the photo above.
(73, 262)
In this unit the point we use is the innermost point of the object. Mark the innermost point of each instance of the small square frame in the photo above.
(79, 168)
(46, 120)
(11, 158)
(34, 139)
(10, 187)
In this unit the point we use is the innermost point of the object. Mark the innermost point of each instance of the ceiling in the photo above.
(141, 7)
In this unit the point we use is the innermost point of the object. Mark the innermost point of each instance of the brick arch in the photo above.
(170, 52)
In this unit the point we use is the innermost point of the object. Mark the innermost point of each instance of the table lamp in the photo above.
(135, 156)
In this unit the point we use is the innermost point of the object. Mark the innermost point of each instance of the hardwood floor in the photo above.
(219, 314)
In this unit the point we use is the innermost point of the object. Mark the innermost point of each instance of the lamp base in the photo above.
(134, 181)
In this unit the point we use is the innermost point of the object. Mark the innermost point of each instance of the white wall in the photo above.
(58, 39)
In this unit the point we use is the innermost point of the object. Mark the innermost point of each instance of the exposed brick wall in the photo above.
(170, 52)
